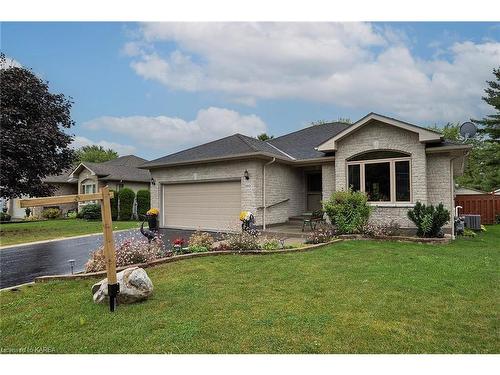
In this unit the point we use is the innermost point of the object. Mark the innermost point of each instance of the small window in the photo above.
(354, 177)
(89, 189)
(403, 181)
(378, 182)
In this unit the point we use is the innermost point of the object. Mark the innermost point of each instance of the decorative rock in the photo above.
(135, 285)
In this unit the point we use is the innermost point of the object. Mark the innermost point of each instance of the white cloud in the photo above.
(79, 141)
(171, 133)
(354, 65)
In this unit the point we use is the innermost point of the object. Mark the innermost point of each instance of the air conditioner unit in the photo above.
(473, 222)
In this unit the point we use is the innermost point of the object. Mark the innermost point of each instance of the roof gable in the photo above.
(124, 168)
(424, 135)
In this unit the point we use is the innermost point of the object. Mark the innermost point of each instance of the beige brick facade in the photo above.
(286, 188)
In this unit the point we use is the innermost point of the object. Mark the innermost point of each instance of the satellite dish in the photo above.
(468, 130)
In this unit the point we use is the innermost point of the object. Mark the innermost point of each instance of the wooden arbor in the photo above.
(103, 196)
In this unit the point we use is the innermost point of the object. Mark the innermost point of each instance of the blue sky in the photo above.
(152, 89)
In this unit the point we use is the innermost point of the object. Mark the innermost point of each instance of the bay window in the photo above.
(383, 180)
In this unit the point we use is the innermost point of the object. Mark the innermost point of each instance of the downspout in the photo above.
(264, 192)
(452, 191)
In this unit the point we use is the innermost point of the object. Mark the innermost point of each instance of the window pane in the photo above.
(354, 178)
(403, 181)
(378, 182)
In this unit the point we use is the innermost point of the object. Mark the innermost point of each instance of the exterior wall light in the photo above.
(153, 182)
(246, 175)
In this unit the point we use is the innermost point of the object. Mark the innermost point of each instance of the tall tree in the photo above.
(491, 123)
(33, 143)
(264, 137)
(95, 154)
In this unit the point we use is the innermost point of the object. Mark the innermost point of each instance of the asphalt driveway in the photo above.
(21, 264)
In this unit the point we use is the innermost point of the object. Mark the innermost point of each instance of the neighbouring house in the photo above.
(64, 184)
(117, 174)
(88, 178)
(394, 162)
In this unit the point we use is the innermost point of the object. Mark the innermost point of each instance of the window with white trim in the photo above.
(385, 176)
(89, 188)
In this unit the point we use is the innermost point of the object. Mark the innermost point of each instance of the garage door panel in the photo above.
(209, 205)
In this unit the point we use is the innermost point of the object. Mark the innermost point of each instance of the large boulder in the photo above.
(135, 285)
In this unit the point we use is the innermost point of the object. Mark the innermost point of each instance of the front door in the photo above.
(313, 191)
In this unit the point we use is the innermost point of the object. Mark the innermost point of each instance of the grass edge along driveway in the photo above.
(25, 232)
(351, 297)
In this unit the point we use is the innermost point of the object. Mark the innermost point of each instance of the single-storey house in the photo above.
(88, 178)
(394, 162)
(119, 173)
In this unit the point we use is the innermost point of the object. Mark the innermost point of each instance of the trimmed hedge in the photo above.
(90, 211)
(126, 197)
(143, 202)
(114, 205)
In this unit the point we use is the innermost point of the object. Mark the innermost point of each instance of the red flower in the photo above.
(179, 241)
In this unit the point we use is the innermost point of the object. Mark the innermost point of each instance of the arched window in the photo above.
(384, 175)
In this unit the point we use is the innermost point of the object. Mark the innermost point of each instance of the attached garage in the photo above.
(202, 205)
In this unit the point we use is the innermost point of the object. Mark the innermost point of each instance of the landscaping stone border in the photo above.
(177, 258)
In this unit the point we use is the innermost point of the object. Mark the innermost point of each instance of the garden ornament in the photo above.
(152, 218)
(247, 222)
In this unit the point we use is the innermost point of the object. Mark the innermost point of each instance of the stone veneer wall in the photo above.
(380, 136)
(439, 189)
(250, 189)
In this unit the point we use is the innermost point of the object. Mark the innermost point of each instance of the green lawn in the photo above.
(16, 233)
(351, 297)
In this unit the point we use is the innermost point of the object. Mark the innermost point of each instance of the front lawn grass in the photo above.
(17, 233)
(350, 297)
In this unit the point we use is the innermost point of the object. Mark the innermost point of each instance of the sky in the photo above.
(151, 89)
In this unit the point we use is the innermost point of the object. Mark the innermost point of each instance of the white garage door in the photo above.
(204, 205)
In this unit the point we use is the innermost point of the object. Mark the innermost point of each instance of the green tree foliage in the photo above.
(32, 141)
(114, 205)
(264, 137)
(95, 154)
(126, 197)
(490, 125)
(143, 202)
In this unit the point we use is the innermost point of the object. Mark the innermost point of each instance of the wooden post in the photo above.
(109, 247)
(103, 197)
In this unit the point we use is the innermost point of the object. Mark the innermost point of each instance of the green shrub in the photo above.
(429, 219)
(51, 213)
(348, 211)
(114, 205)
(4, 216)
(270, 244)
(203, 239)
(198, 249)
(143, 202)
(126, 197)
(91, 211)
(72, 215)
(469, 233)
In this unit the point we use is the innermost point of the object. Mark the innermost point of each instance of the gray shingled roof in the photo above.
(123, 168)
(62, 178)
(301, 144)
(230, 146)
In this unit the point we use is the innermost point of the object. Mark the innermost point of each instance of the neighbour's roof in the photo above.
(63, 178)
(124, 168)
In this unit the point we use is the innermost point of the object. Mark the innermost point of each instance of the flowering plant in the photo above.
(153, 212)
(179, 242)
